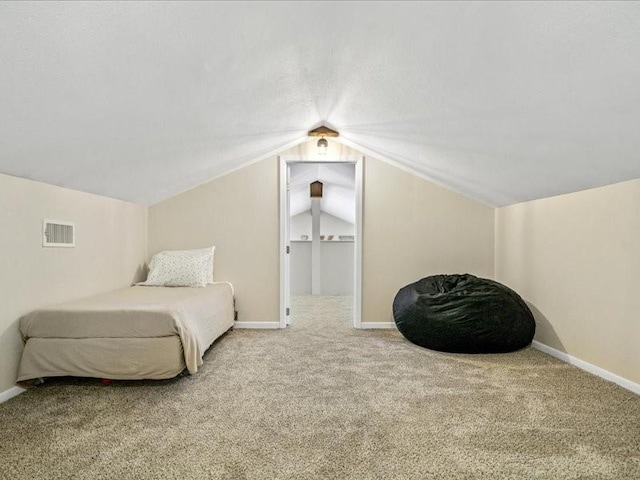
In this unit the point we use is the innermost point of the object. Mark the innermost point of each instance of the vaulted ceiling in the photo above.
(338, 192)
(502, 101)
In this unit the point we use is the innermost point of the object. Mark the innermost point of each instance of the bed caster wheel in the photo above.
(106, 381)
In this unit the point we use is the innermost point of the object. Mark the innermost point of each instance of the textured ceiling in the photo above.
(504, 101)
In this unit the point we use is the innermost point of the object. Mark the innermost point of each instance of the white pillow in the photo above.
(199, 252)
(181, 268)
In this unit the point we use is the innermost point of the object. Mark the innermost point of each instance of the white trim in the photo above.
(357, 253)
(309, 159)
(377, 325)
(283, 188)
(587, 367)
(283, 162)
(9, 394)
(257, 325)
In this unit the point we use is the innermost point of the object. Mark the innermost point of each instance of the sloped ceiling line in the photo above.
(338, 181)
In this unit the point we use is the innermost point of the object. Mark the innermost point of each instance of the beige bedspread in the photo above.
(197, 316)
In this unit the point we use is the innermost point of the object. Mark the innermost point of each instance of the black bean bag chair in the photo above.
(463, 314)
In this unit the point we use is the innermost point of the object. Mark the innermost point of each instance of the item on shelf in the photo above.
(345, 237)
(321, 237)
(304, 237)
(330, 237)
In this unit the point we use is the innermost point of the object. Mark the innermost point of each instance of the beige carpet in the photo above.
(321, 400)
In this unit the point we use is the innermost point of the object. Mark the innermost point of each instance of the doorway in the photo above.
(320, 235)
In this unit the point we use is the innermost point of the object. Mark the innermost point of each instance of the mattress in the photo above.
(132, 333)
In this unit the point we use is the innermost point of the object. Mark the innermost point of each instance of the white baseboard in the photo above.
(588, 367)
(256, 325)
(372, 325)
(8, 394)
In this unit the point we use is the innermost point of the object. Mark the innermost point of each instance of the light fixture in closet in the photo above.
(316, 189)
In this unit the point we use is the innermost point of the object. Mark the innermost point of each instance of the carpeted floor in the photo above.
(321, 400)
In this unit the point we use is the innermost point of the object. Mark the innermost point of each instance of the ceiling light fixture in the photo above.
(322, 146)
(322, 132)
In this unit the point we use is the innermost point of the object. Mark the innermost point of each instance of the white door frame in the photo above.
(285, 274)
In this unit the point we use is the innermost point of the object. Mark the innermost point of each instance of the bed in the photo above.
(138, 332)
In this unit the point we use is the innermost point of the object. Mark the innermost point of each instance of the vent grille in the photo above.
(58, 234)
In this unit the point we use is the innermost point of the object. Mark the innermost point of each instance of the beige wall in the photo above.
(111, 248)
(238, 213)
(414, 228)
(576, 259)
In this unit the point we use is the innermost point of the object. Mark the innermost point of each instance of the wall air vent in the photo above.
(58, 234)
